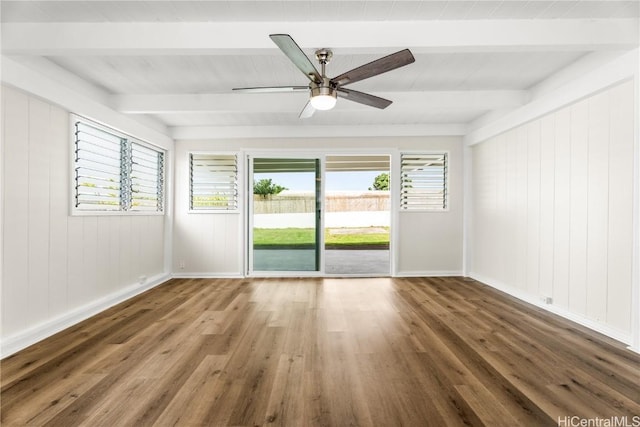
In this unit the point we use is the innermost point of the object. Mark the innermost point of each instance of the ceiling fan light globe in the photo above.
(323, 102)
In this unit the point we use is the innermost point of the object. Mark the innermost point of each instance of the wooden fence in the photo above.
(299, 202)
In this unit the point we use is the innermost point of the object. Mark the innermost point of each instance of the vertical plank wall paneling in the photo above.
(533, 208)
(56, 264)
(565, 218)
(38, 214)
(578, 209)
(547, 198)
(16, 204)
(521, 228)
(620, 214)
(597, 205)
(561, 208)
(58, 208)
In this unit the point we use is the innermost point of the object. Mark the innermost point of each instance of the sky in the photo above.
(335, 181)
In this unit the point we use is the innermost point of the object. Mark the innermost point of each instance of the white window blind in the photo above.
(424, 182)
(113, 173)
(213, 182)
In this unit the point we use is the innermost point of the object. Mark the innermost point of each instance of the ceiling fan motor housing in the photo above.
(324, 88)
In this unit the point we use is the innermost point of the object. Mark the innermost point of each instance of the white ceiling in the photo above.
(175, 62)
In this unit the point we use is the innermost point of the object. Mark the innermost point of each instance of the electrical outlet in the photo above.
(547, 300)
(182, 264)
(142, 279)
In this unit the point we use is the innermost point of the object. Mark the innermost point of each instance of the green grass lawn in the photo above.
(301, 237)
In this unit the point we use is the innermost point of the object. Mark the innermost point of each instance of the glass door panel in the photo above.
(357, 215)
(285, 215)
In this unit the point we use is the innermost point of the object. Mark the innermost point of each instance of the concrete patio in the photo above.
(366, 262)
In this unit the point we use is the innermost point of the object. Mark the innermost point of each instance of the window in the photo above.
(114, 173)
(146, 178)
(98, 169)
(423, 182)
(213, 182)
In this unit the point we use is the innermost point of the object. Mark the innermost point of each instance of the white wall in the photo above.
(212, 244)
(553, 210)
(59, 269)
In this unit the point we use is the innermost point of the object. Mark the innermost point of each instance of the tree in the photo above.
(265, 187)
(381, 182)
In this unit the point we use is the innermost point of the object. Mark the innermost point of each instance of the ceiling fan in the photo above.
(323, 90)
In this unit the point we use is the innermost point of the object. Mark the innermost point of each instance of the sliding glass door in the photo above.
(284, 215)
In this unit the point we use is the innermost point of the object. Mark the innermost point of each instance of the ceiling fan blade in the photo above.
(379, 66)
(363, 98)
(271, 89)
(307, 111)
(296, 55)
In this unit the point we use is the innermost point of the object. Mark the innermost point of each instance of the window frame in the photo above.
(447, 173)
(238, 182)
(129, 141)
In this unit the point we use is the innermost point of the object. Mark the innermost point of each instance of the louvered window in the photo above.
(213, 182)
(424, 182)
(146, 178)
(113, 173)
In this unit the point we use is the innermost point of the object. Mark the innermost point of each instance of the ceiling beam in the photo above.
(71, 94)
(310, 131)
(285, 102)
(226, 38)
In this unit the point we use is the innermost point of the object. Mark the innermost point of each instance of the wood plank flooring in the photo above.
(321, 352)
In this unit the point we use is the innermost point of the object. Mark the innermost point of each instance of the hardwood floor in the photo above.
(327, 352)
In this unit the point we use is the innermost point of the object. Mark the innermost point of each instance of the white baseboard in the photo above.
(562, 312)
(236, 275)
(223, 275)
(428, 274)
(32, 335)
